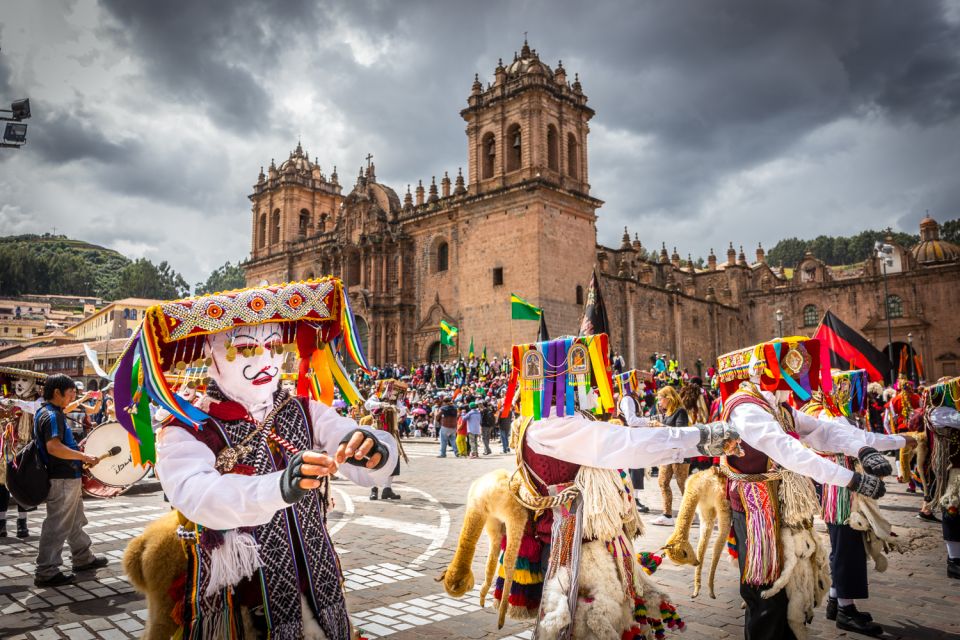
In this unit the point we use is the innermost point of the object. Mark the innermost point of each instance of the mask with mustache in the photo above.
(246, 365)
(25, 388)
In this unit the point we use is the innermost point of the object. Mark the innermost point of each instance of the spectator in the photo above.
(505, 424)
(448, 429)
(487, 423)
(65, 517)
(473, 419)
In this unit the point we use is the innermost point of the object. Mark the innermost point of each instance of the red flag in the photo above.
(850, 350)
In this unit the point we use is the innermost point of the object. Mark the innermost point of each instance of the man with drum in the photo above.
(65, 517)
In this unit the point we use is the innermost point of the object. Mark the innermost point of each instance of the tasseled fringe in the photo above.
(527, 588)
(798, 499)
(762, 564)
(950, 500)
(649, 562)
(237, 558)
(732, 544)
(604, 508)
(836, 504)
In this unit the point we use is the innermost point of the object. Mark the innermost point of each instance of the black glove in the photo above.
(867, 485)
(874, 463)
(378, 447)
(290, 487)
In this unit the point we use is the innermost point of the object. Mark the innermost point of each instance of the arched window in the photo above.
(573, 155)
(353, 268)
(443, 257)
(894, 306)
(275, 227)
(323, 223)
(553, 149)
(579, 294)
(304, 224)
(514, 148)
(810, 315)
(262, 231)
(489, 152)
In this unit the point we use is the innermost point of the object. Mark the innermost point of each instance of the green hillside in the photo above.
(50, 264)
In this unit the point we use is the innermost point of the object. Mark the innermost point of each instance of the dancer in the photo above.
(772, 499)
(384, 408)
(243, 462)
(21, 400)
(942, 416)
(847, 405)
(568, 555)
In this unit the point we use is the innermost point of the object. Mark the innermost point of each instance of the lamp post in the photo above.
(779, 316)
(884, 253)
(910, 356)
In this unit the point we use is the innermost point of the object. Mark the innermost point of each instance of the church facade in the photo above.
(523, 220)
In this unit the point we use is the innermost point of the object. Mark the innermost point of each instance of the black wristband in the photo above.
(378, 447)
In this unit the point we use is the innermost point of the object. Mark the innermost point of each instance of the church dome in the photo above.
(298, 162)
(528, 63)
(931, 248)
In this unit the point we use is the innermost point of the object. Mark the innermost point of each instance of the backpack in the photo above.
(27, 477)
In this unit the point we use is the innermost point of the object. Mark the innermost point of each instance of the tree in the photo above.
(143, 279)
(789, 252)
(950, 231)
(224, 278)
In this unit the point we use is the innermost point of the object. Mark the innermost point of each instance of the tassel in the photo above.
(232, 561)
(603, 503)
(798, 499)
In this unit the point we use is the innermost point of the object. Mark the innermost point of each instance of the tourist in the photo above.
(672, 415)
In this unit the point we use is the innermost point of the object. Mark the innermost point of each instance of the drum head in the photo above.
(118, 470)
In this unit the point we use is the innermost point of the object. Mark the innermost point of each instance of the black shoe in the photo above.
(97, 563)
(927, 516)
(22, 531)
(849, 619)
(831, 608)
(953, 568)
(642, 508)
(56, 580)
(374, 494)
(390, 494)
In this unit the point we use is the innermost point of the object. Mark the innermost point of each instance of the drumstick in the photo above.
(112, 452)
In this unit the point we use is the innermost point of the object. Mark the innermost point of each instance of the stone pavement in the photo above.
(392, 551)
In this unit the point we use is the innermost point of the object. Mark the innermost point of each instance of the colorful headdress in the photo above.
(167, 352)
(850, 391)
(633, 381)
(797, 364)
(561, 375)
(8, 374)
(945, 393)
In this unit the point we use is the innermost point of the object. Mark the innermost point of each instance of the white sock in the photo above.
(953, 549)
(833, 592)
(844, 602)
(388, 483)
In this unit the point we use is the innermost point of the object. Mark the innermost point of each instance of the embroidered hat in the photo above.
(561, 376)
(850, 391)
(797, 364)
(167, 351)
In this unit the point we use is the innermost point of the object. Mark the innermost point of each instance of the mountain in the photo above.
(55, 264)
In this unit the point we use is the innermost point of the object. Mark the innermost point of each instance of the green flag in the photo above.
(470, 353)
(448, 333)
(520, 309)
(484, 355)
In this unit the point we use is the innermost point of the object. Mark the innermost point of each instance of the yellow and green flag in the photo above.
(470, 353)
(448, 333)
(520, 309)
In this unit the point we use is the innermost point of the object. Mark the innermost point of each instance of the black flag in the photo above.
(850, 350)
(594, 318)
(542, 334)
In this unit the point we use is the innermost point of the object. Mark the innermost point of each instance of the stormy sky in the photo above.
(743, 120)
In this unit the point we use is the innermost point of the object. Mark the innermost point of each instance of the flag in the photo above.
(594, 318)
(520, 309)
(542, 334)
(918, 363)
(448, 333)
(850, 350)
(470, 353)
(483, 356)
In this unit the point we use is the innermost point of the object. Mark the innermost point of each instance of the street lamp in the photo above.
(15, 132)
(884, 254)
(910, 355)
(779, 316)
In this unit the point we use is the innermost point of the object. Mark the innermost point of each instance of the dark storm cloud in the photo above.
(70, 134)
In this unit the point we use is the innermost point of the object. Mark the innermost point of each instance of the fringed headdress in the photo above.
(560, 376)
(850, 392)
(168, 350)
(633, 381)
(797, 364)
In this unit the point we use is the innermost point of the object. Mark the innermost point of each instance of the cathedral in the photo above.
(522, 220)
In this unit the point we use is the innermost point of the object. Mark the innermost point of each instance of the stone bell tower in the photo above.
(530, 123)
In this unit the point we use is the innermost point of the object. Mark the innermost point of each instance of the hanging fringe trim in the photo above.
(232, 561)
(762, 564)
(604, 507)
(798, 499)
(732, 544)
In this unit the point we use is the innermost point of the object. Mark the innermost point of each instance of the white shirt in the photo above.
(610, 446)
(879, 441)
(761, 431)
(628, 409)
(187, 474)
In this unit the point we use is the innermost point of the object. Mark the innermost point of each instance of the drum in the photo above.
(115, 474)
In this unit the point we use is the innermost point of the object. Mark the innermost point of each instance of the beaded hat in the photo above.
(797, 364)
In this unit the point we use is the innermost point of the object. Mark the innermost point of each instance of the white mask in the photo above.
(250, 380)
(24, 388)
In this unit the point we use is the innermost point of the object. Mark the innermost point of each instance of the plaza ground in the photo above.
(392, 551)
